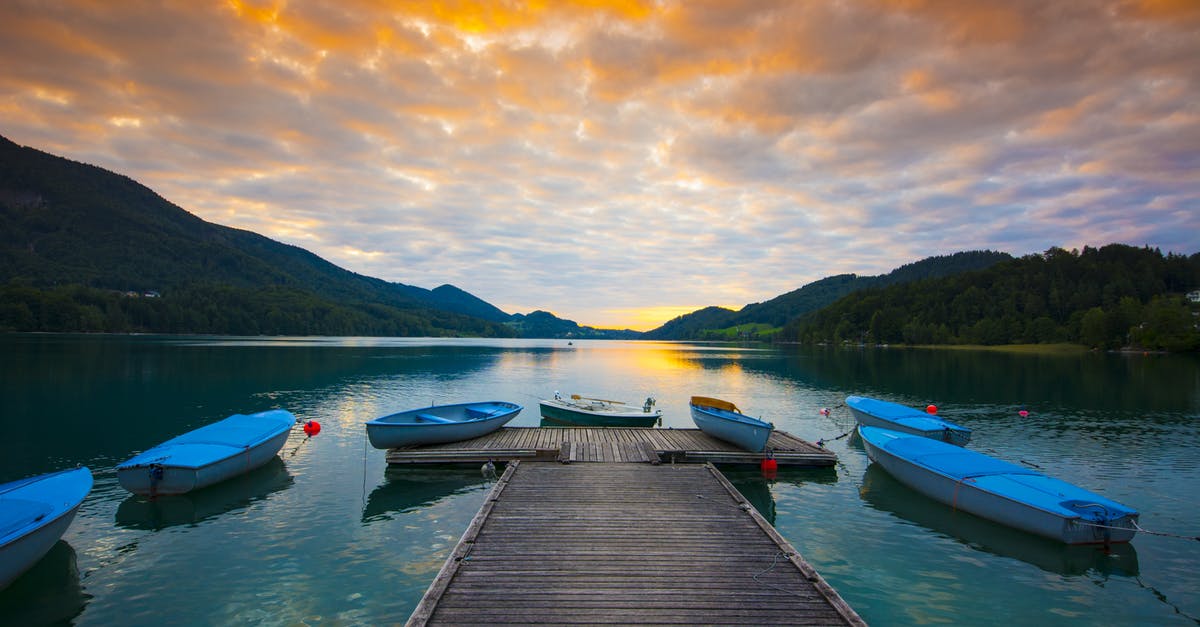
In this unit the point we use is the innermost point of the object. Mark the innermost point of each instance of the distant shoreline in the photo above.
(1028, 349)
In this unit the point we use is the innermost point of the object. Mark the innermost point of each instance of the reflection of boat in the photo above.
(406, 489)
(598, 412)
(756, 486)
(440, 423)
(34, 513)
(724, 421)
(212, 453)
(999, 491)
(139, 512)
(884, 493)
(757, 489)
(876, 413)
(47, 594)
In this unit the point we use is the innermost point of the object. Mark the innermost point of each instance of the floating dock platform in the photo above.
(626, 544)
(611, 444)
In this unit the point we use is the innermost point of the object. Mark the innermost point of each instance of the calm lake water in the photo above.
(328, 534)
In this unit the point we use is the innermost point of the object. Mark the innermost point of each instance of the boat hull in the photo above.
(743, 431)
(561, 413)
(999, 491)
(440, 424)
(34, 514)
(208, 455)
(872, 412)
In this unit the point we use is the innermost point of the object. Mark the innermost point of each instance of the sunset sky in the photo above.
(622, 163)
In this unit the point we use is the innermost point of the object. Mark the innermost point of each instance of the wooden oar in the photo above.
(588, 398)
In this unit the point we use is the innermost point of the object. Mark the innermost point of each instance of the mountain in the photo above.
(451, 298)
(708, 323)
(1116, 296)
(546, 324)
(81, 233)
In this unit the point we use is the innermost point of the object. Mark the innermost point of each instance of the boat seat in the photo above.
(432, 418)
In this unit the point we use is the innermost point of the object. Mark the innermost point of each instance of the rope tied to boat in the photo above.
(827, 412)
(821, 442)
(310, 428)
(1140, 529)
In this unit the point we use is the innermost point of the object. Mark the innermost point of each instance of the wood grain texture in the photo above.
(625, 543)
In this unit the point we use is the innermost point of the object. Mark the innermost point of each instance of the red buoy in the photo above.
(932, 409)
(1023, 413)
(311, 428)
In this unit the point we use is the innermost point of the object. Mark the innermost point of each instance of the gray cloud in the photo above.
(598, 162)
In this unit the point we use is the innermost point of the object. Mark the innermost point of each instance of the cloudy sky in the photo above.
(620, 163)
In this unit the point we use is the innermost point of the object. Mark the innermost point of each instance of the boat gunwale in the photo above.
(509, 407)
(165, 463)
(737, 417)
(967, 483)
(913, 413)
(239, 449)
(38, 524)
(633, 412)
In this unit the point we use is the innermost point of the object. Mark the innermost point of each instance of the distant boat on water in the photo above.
(440, 423)
(873, 412)
(34, 513)
(212, 453)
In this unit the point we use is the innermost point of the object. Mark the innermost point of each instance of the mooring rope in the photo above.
(774, 562)
(828, 413)
(364, 465)
(1140, 530)
(822, 441)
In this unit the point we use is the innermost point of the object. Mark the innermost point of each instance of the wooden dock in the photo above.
(611, 444)
(624, 544)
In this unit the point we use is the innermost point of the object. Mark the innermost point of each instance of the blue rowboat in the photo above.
(207, 455)
(440, 423)
(724, 421)
(34, 513)
(998, 490)
(871, 412)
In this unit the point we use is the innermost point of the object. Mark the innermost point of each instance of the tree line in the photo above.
(223, 310)
(1116, 296)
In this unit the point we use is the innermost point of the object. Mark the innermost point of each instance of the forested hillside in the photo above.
(81, 247)
(769, 316)
(1110, 297)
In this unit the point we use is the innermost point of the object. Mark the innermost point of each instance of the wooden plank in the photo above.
(428, 602)
(595, 444)
(623, 543)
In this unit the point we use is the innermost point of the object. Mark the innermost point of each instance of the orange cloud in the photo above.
(1168, 10)
(987, 22)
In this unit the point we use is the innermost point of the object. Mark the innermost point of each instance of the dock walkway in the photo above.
(624, 544)
(611, 444)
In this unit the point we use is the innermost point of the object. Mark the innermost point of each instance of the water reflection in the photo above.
(47, 594)
(1104, 382)
(408, 488)
(756, 486)
(883, 492)
(139, 512)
